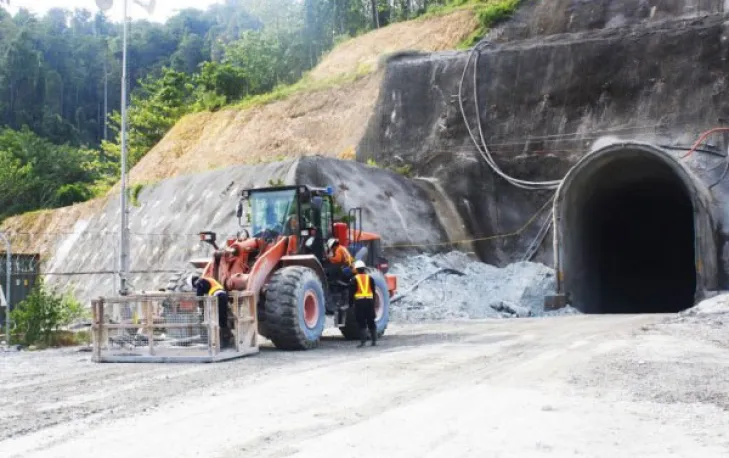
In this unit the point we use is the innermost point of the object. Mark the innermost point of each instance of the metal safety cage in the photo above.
(171, 328)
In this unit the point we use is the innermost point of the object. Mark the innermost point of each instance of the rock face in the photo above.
(169, 214)
(544, 102)
(539, 18)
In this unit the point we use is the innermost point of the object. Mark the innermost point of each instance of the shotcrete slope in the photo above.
(170, 214)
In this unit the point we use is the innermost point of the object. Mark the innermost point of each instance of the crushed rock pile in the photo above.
(713, 311)
(484, 291)
(717, 305)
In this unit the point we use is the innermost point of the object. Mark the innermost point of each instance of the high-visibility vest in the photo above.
(363, 287)
(214, 286)
(341, 256)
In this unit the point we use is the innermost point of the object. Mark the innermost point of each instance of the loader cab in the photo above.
(300, 211)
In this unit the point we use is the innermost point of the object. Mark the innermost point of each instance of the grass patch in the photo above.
(405, 170)
(134, 191)
(489, 13)
(304, 85)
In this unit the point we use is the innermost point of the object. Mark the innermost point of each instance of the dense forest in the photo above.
(60, 75)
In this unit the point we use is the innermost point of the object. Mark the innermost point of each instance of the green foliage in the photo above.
(134, 191)
(490, 13)
(339, 213)
(405, 170)
(154, 109)
(44, 313)
(34, 173)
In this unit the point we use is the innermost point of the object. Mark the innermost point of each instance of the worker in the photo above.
(340, 260)
(362, 298)
(208, 286)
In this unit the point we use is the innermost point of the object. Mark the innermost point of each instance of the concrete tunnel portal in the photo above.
(633, 233)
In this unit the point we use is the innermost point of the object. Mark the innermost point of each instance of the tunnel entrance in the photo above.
(626, 235)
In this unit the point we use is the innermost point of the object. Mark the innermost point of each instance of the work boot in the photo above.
(226, 338)
(362, 339)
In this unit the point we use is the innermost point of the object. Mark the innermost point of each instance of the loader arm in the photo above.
(264, 265)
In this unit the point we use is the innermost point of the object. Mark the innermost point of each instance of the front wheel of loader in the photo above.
(295, 309)
(350, 330)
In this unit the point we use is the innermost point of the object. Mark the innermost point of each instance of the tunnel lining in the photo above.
(576, 269)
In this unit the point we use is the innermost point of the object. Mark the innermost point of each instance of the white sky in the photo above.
(164, 9)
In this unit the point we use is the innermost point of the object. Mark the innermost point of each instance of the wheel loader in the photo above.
(280, 255)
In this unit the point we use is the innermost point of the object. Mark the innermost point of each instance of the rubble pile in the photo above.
(469, 289)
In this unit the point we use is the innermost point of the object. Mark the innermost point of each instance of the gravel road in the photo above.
(593, 386)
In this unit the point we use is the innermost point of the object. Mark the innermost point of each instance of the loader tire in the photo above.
(295, 309)
(350, 330)
(178, 281)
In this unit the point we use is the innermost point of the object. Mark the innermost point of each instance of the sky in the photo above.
(163, 10)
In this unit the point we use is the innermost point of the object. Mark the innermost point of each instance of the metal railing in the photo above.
(171, 328)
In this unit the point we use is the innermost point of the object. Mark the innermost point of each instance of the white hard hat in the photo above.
(309, 242)
(331, 242)
(359, 264)
(191, 280)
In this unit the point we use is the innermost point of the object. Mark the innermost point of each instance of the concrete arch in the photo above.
(633, 232)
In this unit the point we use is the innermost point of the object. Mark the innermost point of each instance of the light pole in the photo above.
(8, 267)
(106, 5)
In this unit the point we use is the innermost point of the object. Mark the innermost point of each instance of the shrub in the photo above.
(41, 315)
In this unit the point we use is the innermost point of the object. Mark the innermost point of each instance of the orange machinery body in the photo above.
(247, 264)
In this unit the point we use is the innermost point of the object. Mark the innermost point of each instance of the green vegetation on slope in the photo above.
(489, 13)
(242, 53)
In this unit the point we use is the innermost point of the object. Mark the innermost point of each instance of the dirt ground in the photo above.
(597, 386)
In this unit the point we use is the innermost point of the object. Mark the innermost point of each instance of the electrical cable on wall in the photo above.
(482, 147)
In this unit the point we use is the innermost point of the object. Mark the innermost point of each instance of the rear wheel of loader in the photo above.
(350, 331)
(295, 312)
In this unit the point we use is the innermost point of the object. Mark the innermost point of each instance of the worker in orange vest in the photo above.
(362, 298)
(341, 261)
(208, 286)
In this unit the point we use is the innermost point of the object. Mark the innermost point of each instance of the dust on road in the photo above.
(576, 385)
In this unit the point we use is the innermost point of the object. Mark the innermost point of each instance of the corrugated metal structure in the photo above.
(23, 276)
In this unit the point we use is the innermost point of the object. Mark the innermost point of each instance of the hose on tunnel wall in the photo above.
(482, 148)
(703, 138)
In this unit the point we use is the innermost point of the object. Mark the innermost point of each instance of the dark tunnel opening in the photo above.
(634, 227)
